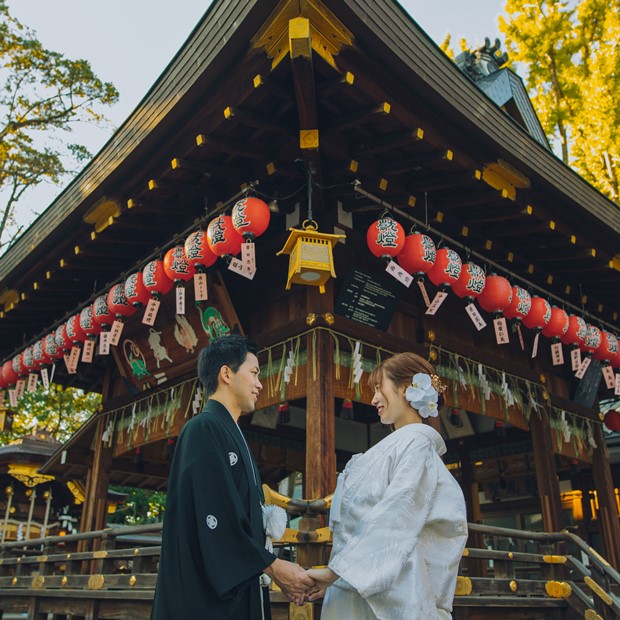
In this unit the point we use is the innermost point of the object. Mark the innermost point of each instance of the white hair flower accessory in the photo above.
(423, 394)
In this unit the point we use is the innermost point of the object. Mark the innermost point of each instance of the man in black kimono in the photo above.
(213, 544)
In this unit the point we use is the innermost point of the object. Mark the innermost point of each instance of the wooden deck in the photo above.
(111, 574)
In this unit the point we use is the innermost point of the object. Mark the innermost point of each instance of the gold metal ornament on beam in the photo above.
(311, 256)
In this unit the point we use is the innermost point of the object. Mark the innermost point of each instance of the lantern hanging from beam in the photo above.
(520, 305)
(539, 314)
(118, 304)
(612, 420)
(497, 294)
(576, 332)
(593, 339)
(9, 374)
(557, 325)
(608, 349)
(447, 268)
(135, 291)
(155, 279)
(471, 282)
(101, 312)
(62, 339)
(222, 237)
(418, 254)
(198, 252)
(311, 256)
(87, 322)
(74, 330)
(250, 217)
(176, 265)
(385, 237)
(50, 348)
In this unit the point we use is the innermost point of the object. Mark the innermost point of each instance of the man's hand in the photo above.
(323, 578)
(293, 580)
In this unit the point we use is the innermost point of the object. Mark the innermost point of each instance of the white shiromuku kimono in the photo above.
(400, 527)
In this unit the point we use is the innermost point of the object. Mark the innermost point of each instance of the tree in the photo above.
(572, 58)
(59, 410)
(141, 506)
(42, 95)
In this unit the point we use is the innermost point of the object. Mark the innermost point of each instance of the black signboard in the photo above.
(369, 298)
(587, 388)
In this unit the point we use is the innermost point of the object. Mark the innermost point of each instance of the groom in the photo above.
(213, 543)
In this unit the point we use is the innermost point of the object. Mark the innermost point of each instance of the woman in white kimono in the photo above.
(398, 515)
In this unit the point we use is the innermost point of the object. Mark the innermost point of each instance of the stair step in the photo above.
(508, 601)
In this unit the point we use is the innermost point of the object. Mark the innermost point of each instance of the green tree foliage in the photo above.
(42, 95)
(141, 506)
(571, 53)
(61, 411)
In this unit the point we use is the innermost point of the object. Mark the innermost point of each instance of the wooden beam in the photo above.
(329, 87)
(201, 166)
(259, 121)
(392, 141)
(444, 181)
(268, 84)
(359, 117)
(232, 147)
(419, 162)
(300, 43)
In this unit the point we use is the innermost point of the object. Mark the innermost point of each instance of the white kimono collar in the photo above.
(427, 431)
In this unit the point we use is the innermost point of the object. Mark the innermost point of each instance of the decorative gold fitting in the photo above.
(38, 582)
(63, 581)
(554, 559)
(604, 596)
(463, 586)
(132, 581)
(96, 582)
(513, 586)
(558, 589)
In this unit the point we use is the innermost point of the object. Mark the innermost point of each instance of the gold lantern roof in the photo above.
(311, 258)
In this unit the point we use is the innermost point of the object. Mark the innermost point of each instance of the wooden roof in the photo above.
(392, 112)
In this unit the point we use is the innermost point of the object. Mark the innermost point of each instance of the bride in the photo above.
(398, 515)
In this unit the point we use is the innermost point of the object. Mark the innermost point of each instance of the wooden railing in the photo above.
(112, 573)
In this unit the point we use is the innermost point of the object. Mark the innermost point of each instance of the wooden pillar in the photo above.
(320, 474)
(546, 472)
(95, 503)
(608, 510)
(475, 567)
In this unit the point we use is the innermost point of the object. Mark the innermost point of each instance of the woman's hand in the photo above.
(323, 578)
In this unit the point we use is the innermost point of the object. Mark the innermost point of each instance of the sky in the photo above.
(130, 43)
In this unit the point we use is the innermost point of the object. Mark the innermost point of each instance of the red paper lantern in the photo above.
(250, 217)
(9, 374)
(74, 330)
(87, 322)
(222, 237)
(539, 314)
(135, 291)
(3, 383)
(101, 312)
(385, 238)
(520, 305)
(471, 282)
(447, 268)
(557, 325)
(62, 338)
(497, 294)
(576, 332)
(176, 265)
(50, 348)
(612, 420)
(118, 304)
(155, 279)
(197, 250)
(28, 362)
(608, 349)
(18, 365)
(593, 339)
(615, 360)
(38, 352)
(418, 254)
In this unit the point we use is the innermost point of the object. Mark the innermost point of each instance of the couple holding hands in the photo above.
(398, 516)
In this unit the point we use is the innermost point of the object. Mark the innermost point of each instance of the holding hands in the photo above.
(298, 584)
(323, 578)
